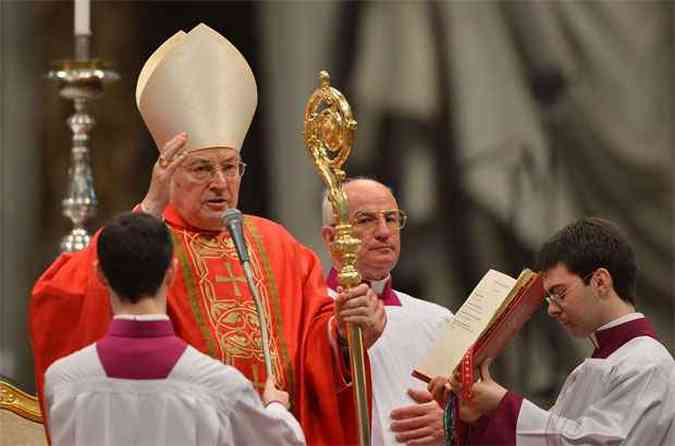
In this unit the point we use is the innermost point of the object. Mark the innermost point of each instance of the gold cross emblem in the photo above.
(231, 278)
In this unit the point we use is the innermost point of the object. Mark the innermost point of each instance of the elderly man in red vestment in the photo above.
(197, 96)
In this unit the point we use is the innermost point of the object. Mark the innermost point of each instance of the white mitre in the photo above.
(198, 83)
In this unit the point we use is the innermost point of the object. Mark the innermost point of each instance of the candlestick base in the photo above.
(76, 240)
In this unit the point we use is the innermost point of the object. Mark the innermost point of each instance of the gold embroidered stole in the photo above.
(224, 307)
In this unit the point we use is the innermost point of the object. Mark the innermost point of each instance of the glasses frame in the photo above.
(559, 298)
(403, 219)
(241, 169)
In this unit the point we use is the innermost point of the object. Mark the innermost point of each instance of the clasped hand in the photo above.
(486, 393)
(273, 394)
(361, 307)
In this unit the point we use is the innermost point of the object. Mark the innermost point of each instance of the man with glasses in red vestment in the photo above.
(197, 96)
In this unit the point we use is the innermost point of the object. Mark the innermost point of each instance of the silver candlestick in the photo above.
(80, 80)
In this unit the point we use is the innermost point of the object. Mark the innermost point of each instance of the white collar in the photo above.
(378, 285)
(622, 320)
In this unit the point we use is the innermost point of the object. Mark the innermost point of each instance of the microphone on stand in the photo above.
(232, 220)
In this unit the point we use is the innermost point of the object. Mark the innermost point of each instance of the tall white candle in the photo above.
(82, 17)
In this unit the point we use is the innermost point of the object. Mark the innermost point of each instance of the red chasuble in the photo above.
(212, 309)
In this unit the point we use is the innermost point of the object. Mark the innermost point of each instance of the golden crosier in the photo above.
(329, 133)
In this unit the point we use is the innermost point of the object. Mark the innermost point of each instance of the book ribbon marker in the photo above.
(466, 374)
(456, 430)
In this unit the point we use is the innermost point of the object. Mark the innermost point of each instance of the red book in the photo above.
(492, 314)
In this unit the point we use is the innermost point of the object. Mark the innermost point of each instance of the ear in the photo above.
(602, 281)
(100, 275)
(328, 235)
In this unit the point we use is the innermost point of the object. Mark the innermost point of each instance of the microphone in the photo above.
(232, 220)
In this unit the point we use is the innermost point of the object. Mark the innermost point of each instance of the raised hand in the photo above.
(170, 157)
(420, 423)
(361, 307)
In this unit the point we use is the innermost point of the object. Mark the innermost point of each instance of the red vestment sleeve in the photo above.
(69, 309)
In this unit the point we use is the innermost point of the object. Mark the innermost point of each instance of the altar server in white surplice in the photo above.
(402, 409)
(624, 394)
(142, 385)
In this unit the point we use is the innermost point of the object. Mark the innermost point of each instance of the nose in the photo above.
(382, 230)
(553, 309)
(219, 179)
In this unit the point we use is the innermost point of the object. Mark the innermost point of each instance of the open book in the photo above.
(492, 314)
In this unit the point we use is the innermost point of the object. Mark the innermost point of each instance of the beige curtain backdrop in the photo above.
(557, 110)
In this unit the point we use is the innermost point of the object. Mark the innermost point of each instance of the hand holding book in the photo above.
(492, 314)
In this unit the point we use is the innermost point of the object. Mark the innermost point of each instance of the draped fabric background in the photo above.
(496, 123)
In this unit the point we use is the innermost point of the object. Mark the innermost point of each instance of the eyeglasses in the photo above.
(204, 171)
(395, 219)
(559, 297)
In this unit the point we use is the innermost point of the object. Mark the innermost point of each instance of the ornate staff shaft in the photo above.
(329, 130)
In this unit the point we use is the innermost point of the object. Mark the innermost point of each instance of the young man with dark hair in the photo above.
(141, 384)
(624, 394)
(134, 255)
